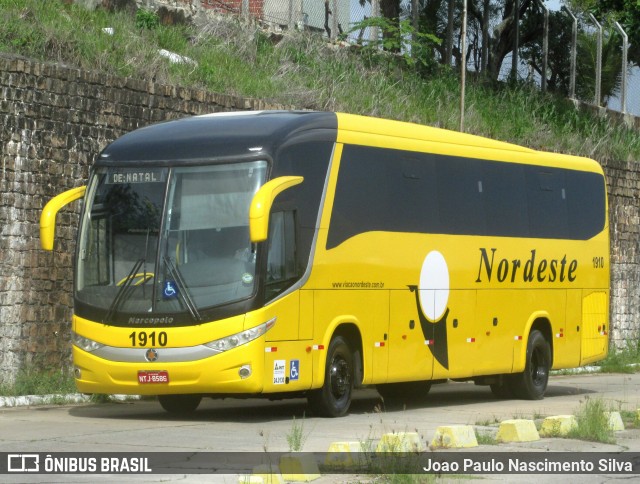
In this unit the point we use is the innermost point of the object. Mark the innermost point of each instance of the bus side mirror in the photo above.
(51, 209)
(262, 202)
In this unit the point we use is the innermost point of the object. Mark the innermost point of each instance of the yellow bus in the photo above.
(308, 253)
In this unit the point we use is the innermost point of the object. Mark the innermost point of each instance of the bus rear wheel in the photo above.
(334, 398)
(532, 382)
(180, 404)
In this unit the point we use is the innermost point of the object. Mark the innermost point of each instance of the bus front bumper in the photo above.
(239, 370)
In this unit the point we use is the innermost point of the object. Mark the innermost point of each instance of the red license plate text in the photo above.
(161, 376)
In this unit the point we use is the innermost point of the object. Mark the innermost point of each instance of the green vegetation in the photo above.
(626, 360)
(630, 418)
(592, 422)
(147, 19)
(485, 438)
(303, 71)
(35, 381)
(296, 436)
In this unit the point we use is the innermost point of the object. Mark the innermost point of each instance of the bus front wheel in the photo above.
(334, 398)
(532, 382)
(180, 404)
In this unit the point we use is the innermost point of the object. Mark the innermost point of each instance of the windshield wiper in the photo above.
(182, 289)
(124, 291)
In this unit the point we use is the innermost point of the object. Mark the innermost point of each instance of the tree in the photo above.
(611, 66)
(503, 35)
(389, 9)
(627, 12)
(487, 49)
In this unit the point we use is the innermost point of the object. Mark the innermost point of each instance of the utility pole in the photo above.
(516, 39)
(598, 60)
(574, 48)
(463, 63)
(623, 87)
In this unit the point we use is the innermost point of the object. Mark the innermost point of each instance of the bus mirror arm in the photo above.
(262, 202)
(51, 209)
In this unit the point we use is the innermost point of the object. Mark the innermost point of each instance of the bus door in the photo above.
(566, 340)
(501, 317)
(409, 354)
(594, 326)
(461, 342)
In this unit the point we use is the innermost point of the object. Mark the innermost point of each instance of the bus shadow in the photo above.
(450, 395)
(366, 401)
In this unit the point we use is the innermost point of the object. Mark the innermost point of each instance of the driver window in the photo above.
(282, 270)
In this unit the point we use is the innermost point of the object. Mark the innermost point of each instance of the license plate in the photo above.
(161, 376)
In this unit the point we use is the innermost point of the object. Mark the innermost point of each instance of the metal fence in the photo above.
(336, 19)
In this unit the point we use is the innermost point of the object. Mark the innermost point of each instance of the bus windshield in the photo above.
(157, 241)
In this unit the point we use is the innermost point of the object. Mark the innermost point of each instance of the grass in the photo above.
(49, 381)
(592, 422)
(301, 70)
(34, 381)
(296, 436)
(626, 360)
(485, 438)
(630, 418)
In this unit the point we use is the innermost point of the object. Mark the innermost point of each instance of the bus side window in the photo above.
(282, 269)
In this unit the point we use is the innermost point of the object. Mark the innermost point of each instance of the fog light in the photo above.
(245, 372)
(77, 373)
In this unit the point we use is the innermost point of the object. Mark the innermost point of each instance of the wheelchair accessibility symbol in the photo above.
(170, 290)
(294, 369)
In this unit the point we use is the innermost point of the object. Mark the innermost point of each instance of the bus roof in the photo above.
(232, 134)
(215, 135)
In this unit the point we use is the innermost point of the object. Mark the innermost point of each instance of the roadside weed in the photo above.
(296, 436)
(592, 422)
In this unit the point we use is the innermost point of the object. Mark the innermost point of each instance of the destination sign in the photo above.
(121, 177)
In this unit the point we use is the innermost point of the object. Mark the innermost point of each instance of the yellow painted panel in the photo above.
(365, 308)
(306, 315)
(288, 366)
(595, 329)
(409, 355)
(287, 310)
(119, 336)
(566, 351)
(499, 320)
(461, 323)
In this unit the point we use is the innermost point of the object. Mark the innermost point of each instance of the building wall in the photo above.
(53, 122)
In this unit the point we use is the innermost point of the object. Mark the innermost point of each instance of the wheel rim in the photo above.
(538, 367)
(340, 377)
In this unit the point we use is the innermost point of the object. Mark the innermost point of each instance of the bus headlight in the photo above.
(85, 344)
(238, 339)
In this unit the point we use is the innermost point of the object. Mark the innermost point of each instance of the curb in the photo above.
(57, 399)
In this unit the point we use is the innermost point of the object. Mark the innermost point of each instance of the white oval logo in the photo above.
(434, 286)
